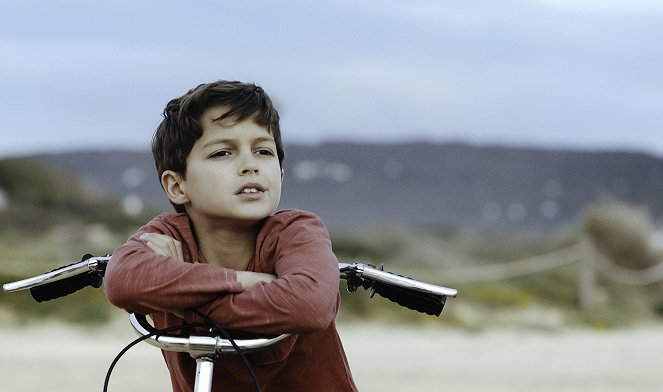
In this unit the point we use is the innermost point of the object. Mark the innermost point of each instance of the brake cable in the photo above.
(210, 323)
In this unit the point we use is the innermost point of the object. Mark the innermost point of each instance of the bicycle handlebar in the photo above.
(410, 293)
(87, 265)
(366, 271)
(199, 345)
(65, 280)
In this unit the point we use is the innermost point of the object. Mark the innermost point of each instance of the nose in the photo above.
(250, 170)
(249, 166)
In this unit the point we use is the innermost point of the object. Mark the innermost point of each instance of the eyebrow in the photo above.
(260, 139)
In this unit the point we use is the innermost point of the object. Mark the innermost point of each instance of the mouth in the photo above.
(249, 189)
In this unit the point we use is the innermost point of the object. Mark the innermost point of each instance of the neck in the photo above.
(228, 247)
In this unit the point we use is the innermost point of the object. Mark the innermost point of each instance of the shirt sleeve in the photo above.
(303, 298)
(139, 280)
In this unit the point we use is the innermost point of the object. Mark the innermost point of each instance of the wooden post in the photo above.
(586, 277)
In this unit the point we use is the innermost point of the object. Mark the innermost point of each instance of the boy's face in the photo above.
(233, 172)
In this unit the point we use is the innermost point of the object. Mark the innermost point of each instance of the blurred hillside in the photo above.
(509, 227)
(493, 189)
(47, 214)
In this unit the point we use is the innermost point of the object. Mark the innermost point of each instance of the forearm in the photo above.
(304, 296)
(139, 280)
(295, 303)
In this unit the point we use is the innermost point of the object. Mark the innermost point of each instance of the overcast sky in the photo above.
(570, 73)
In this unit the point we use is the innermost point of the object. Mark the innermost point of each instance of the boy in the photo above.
(225, 253)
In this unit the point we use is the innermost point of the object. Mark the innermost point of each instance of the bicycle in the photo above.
(207, 349)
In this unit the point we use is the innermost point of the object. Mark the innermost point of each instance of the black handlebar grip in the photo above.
(428, 303)
(63, 287)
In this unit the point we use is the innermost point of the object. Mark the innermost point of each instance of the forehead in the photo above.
(215, 126)
(214, 114)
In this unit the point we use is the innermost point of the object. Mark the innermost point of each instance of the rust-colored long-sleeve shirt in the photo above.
(303, 300)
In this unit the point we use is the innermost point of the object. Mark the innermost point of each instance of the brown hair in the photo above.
(181, 126)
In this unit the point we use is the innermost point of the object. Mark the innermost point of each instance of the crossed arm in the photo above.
(147, 275)
(168, 246)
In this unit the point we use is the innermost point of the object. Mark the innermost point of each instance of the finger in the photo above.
(163, 245)
(154, 241)
(180, 253)
(175, 248)
(156, 248)
(163, 241)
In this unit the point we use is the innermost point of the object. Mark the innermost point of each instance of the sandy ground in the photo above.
(383, 358)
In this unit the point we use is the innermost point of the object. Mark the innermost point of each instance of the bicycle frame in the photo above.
(206, 350)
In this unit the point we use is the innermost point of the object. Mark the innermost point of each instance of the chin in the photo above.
(255, 217)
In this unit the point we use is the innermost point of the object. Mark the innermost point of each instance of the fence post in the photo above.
(586, 276)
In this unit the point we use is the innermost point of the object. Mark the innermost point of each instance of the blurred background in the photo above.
(509, 149)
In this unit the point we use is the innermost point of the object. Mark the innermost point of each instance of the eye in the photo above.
(265, 151)
(219, 154)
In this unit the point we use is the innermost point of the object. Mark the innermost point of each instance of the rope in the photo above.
(514, 269)
(503, 270)
(576, 253)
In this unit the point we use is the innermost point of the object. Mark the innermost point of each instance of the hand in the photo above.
(248, 278)
(163, 245)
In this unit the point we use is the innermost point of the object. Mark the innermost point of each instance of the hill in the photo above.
(487, 188)
(58, 207)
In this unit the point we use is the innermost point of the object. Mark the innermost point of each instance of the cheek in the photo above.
(207, 184)
(276, 176)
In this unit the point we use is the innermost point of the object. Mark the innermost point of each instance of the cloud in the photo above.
(528, 72)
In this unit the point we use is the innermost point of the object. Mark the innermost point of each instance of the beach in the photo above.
(61, 357)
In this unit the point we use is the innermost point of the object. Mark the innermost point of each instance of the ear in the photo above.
(173, 185)
(282, 175)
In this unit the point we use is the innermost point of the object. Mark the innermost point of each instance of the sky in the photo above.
(573, 74)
